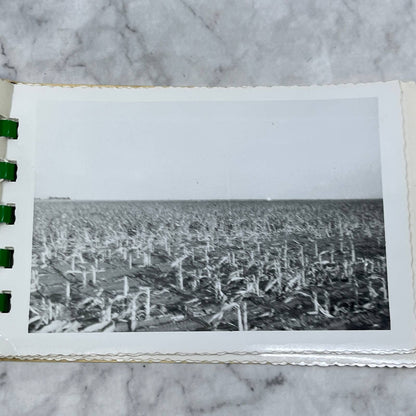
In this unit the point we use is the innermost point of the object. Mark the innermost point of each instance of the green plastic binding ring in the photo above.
(5, 304)
(6, 258)
(8, 171)
(8, 128)
(8, 214)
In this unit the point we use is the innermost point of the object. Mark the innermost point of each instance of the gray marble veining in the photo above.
(225, 43)
(183, 389)
(183, 42)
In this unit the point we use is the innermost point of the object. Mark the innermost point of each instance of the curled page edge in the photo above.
(408, 104)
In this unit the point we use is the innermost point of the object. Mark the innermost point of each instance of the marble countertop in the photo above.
(188, 389)
(215, 43)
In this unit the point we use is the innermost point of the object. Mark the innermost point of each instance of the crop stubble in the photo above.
(208, 265)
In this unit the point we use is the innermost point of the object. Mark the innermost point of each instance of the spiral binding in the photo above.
(8, 172)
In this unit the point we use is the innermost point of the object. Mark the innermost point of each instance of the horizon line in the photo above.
(206, 199)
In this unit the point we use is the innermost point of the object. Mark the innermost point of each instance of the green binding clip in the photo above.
(6, 258)
(8, 171)
(8, 214)
(8, 127)
(5, 304)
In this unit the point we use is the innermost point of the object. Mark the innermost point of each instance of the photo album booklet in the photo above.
(215, 225)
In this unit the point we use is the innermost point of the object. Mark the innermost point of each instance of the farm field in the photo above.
(208, 265)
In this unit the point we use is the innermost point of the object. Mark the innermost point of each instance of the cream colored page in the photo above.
(6, 93)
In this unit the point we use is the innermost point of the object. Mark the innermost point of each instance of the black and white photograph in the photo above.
(209, 216)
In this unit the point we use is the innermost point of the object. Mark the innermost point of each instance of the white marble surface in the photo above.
(184, 42)
(183, 389)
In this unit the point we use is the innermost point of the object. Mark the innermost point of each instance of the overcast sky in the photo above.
(209, 150)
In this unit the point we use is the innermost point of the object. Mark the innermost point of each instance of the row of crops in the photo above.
(208, 265)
